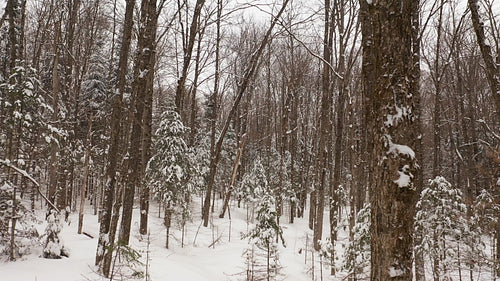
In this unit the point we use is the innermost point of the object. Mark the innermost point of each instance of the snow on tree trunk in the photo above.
(394, 103)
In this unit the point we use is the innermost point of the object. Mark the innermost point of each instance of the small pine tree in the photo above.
(357, 256)
(26, 234)
(263, 236)
(443, 229)
(170, 169)
(53, 246)
(254, 182)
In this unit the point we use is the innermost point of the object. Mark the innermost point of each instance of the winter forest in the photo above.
(250, 140)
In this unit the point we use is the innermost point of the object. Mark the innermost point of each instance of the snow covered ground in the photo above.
(195, 261)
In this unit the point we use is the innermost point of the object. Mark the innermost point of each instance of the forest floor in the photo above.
(194, 258)
(198, 259)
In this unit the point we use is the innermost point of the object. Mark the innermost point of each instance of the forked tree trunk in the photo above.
(188, 52)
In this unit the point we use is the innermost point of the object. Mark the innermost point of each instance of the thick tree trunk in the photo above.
(492, 64)
(368, 74)
(396, 137)
(147, 130)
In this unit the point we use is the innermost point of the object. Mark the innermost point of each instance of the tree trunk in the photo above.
(55, 106)
(325, 125)
(103, 248)
(248, 75)
(491, 64)
(395, 179)
(85, 175)
(188, 51)
(144, 67)
(147, 130)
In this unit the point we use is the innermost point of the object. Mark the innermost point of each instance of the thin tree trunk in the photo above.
(188, 51)
(55, 106)
(233, 178)
(325, 125)
(85, 175)
(249, 73)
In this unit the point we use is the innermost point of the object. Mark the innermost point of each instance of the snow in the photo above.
(195, 261)
(393, 119)
(399, 149)
(393, 272)
(143, 73)
(404, 177)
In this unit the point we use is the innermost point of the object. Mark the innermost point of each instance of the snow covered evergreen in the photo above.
(447, 234)
(53, 245)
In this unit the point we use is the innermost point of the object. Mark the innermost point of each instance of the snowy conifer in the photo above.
(53, 245)
(254, 182)
(169, 170)
(357, 256)
(263, 236)
(442, 227)
(26, 234)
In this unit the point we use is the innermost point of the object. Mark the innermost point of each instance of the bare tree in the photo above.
(248, 75)
(143, 73)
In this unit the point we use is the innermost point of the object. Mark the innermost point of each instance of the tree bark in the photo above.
(147, 132)
(325, 125)
(85, 175)
(53, 190)
(396, 137)
(188, 52)
(233, 178)
(491, 63)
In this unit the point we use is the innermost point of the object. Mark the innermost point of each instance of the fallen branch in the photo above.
(216, 240)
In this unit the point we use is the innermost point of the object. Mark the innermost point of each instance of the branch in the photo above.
(26, 175)
(332, 69)
(488, 128)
